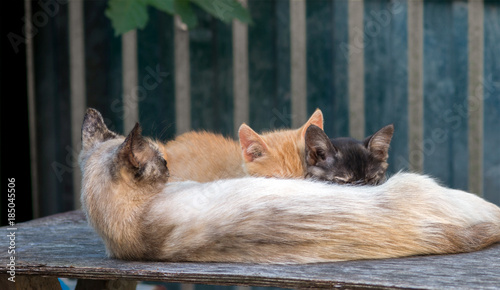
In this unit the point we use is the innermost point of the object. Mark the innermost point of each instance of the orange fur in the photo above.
(205, 156)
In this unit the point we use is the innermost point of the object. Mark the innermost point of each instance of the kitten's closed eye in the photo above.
(341, 180)
(321, 154)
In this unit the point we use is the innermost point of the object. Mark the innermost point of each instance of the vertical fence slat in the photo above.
(131, 91)
(53, 109)
(356, 69)
(156, 76)
(35, 194)
(445, 134)
(475, 89)
(269, 100)
(415, 85)
(182, 77)
(456, 121)
(240, 73)
(211, 75)
(491, 87)
(103, 65)
(320, 50)
(339, 116)
(299, 62)
(261, 64)
(282, 104)
(77, 79)
(386, 75)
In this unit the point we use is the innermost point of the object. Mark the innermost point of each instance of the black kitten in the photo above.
(346, 160)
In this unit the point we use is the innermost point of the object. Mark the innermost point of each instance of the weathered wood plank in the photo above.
(240, 74)
(475, 90)
(65, 246)
(356, 69)
(415, 85)
(298, 65)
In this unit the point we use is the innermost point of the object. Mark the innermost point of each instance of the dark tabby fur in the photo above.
(346, 160)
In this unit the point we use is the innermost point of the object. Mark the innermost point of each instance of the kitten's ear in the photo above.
(94, 131)
(135, 150)
(379, 143)
(252, 145)
(318, 145)
(315, 119)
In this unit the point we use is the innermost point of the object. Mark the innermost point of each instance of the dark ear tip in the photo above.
(137, 130)
(313, 128)
(390, 127)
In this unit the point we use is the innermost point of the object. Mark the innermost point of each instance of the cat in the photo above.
(346, 160)
(140, 215)
(204, 156)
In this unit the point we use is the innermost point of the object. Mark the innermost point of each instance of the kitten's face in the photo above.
(278, 153)
(347, 160)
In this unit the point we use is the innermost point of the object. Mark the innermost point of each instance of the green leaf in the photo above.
(163, 5)
(126, 15)
(183, 9)
(225, 10)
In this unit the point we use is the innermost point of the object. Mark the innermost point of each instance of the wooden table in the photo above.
(64, 245)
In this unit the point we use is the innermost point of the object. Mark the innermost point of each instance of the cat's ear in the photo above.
(318, 145)
(94, 131)
(252, 145)
(315, 119)
(135, 150)
(379, 143)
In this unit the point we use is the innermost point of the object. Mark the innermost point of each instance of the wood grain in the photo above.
(64, 245)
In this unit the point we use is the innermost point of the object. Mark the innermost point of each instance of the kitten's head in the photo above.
(347, 160)
(278, 153)
(133, 159)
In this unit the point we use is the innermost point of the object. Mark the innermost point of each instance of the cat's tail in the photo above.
(477, 236)
(469, 239)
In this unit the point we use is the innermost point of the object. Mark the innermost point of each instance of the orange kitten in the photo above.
(204, 156)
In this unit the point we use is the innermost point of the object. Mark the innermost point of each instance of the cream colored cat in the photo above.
(204, 156)
(141, 216)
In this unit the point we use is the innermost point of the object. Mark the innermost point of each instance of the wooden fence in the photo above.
(432, 68)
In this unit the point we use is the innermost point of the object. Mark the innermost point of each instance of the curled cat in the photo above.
(140, 215)
(346, 160)
(204, 156)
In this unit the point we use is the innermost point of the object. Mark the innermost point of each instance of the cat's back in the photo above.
(203, 156)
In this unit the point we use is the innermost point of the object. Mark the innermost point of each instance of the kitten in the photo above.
(141, 216)
(346, 160)
(204, 156)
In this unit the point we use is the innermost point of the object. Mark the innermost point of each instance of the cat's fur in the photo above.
(205, 156)
(140, 216)
(346, 160)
